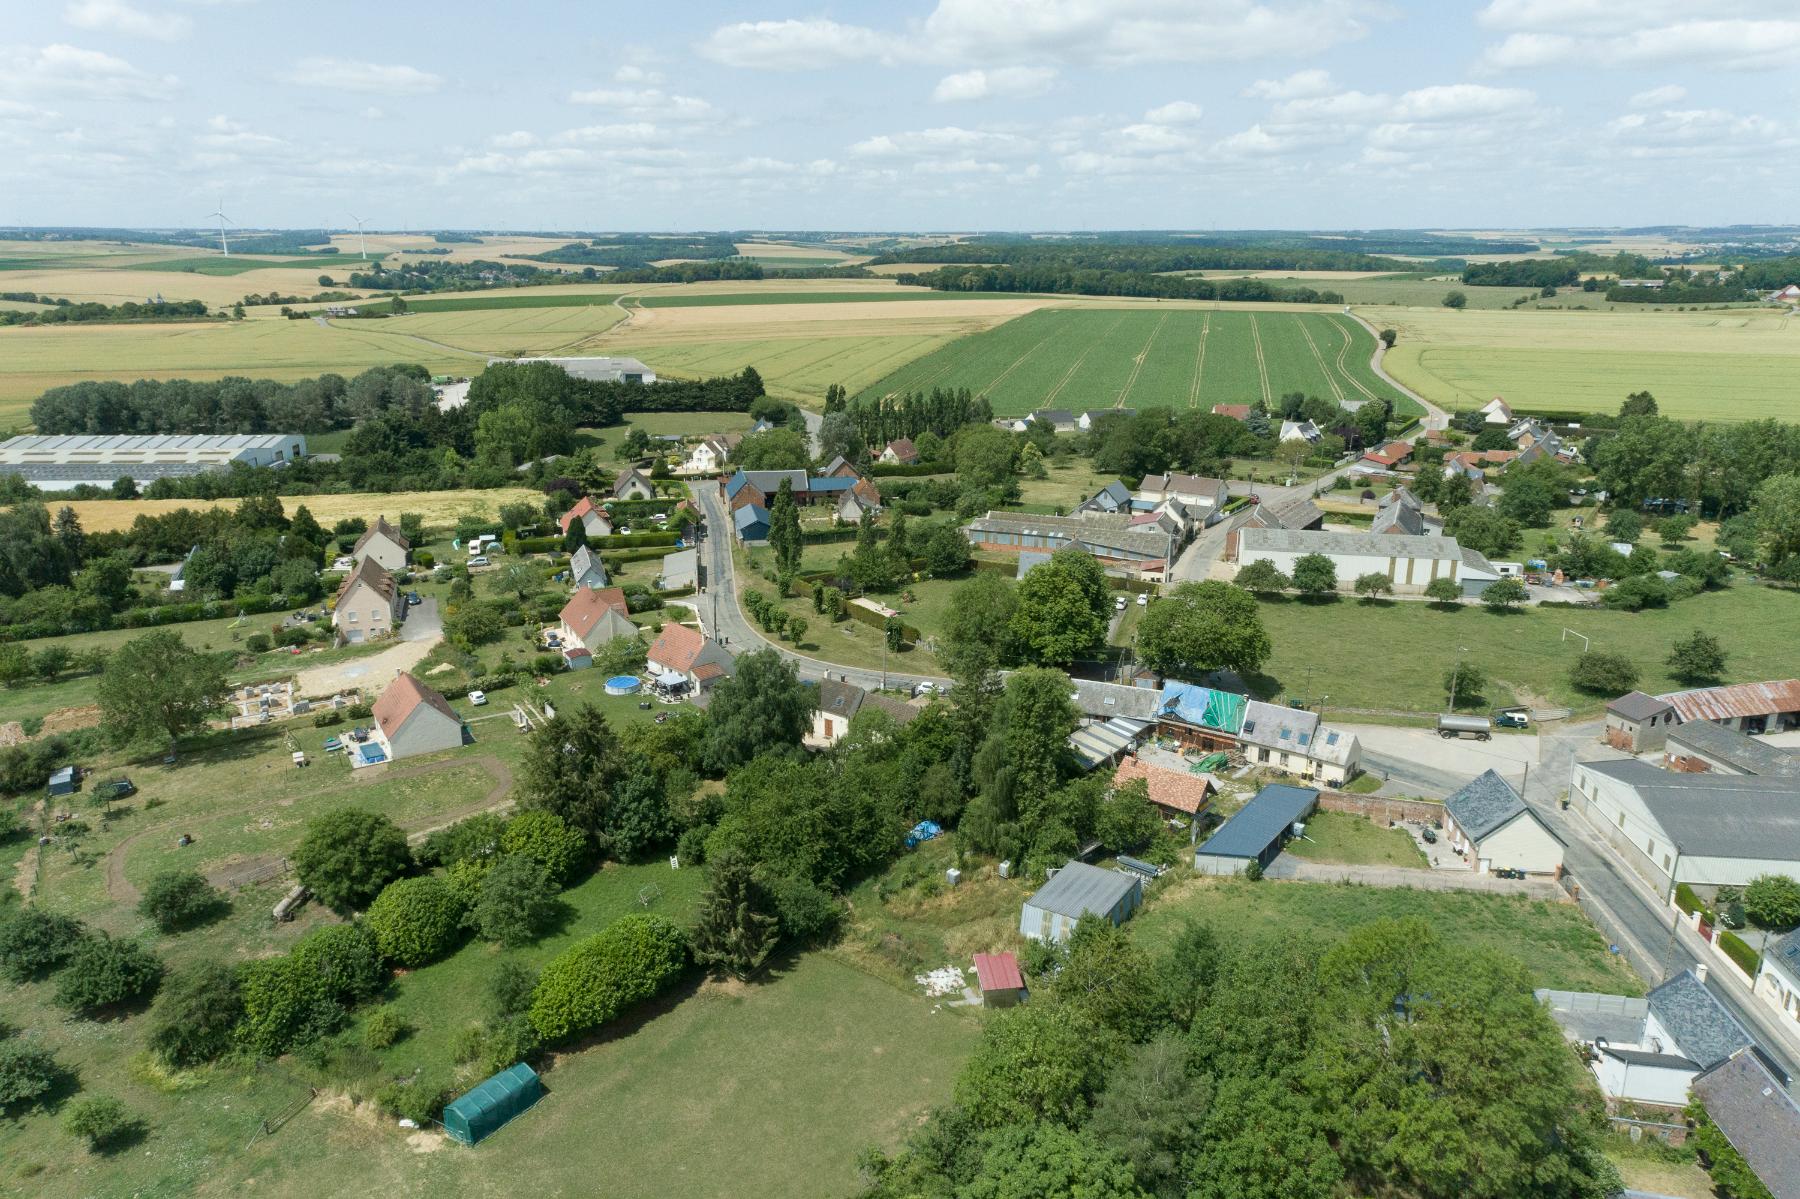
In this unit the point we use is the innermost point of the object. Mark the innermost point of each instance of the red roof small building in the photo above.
(1174, 791)
(997, 974)
(1234, 411)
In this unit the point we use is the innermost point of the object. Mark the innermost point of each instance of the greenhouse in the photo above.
(473, 1115)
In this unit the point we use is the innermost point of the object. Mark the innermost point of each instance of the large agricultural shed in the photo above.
(595, 370)
(64, 462)
(1256, 833)
(1409, 563)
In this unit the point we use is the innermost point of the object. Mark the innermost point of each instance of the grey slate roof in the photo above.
(1258, 823)
(1094, 531)
(681, 568)
(1702, 1028)
(1484, 804)
(1635, 706)
(1079, 889)
(1738, 750)
(1758, 1117)
(1785, 953)
(749, 514)
(1279, 727)
(584, 560)
(1716, 815)
(1399, 518)
(844, 700)
(1107, 700)
(1373, 545)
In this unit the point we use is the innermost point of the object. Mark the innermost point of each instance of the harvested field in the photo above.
(437, 507)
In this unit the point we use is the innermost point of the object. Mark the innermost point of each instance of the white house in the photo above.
(899, 452)
(1705, 829)
(1300, 430)
(1410, 563)
(411, 718)
(839, 702)
(710, 454)
(592, 618)
(1293, 741)
(1204, 497)
(1650, 1050)
(1488, 820)
(1496, 412)
(683, 657)
(586, 569)
(634, 484)
(368, 603)
(594, 520)
(1778, 978)
(1087, 420)
(384, 543)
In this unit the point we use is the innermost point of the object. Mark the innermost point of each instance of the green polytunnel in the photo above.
(474, 1114)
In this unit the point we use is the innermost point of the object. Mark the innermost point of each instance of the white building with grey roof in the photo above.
(1293, 741)
(595, 370)
(1704, 829)
(1410, 563)
(64, 462)
(1489, 821)
(1078, 890)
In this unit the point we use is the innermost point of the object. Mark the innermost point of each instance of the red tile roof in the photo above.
(402, 698)
(582, 507)
(708, 670)
(677, 647)
(1234, 411)
(998, 972)
(588, 605)
(904, 449)
(1168, 788)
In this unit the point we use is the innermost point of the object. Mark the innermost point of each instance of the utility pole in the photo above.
(1456, 676)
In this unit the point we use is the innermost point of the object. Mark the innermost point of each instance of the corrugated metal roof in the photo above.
(1097, 743)
(998, 972)
(1080, 889)
(1736, 699)
(1253, 541)
(1258, 824)
(1716, 815)
(1738, 750)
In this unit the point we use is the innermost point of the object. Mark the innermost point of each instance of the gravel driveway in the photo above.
(423, 629)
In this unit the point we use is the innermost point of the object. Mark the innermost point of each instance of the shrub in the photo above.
(103, 972)
(544, 836)
(195, 1012)
(98, 1119)
(1253, 872)
(35, 942)
(509, 988)
(1686, 900)
(383, 1027)
(327, 718)
(806, 912)
(1739, 951)
(1772, 901)
(420, 1101)
(346, 857)
(259, 643)
(517, 900)
(1604, 673)
(630, 960)
(359, 711)
(27, 1074)
(293, 1000)
(177, 899)
(416, 920)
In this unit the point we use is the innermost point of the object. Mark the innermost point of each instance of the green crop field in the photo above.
(791, 369)
(1738, 364)
(730, 299)
(534, 329)
(1080, 358)
(218, 264)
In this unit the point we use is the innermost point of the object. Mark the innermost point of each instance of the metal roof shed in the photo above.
(473, 1115)
(1078, 890)
(1254, 834)
(63, 781)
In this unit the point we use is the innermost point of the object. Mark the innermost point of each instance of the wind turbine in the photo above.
(224, 247)
(360, 241)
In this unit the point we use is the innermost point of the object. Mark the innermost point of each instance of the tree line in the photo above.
(63, 312)
(1143, 257)
(910, 414)
(1053, 278)
(231, 405)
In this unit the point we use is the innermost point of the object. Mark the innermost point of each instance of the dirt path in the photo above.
(1262, 368)
(245, 871)
(373, 671)
(1199, 361)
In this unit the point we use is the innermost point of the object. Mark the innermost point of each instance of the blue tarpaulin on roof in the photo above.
(1204, 707)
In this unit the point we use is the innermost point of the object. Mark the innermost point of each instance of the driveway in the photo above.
(1507, 753)
(423, 629)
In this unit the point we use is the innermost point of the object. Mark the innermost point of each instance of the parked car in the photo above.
(925, 688)
(119, 788)
(1143, 598)
(1119, 604)
(1513, 718)
(413, 599)
(1430, 837)
(478, 698)
(478, 560)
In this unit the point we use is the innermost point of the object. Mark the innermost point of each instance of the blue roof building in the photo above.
(751, 522)
(1257, 832)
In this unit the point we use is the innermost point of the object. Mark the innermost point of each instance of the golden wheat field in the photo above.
(440, 508)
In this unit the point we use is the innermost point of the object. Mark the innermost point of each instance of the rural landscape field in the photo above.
(940, 600)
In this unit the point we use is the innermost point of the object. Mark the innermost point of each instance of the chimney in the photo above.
(1700, 971)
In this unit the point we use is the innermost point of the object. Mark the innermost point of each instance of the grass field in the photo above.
(439, 508)
(1394, 655)
(1554, 940)
(237, 264)
(1353, 840)
(1091, 357)
(535, 329)
(1733, 365)
(517, 298)
(727, 299)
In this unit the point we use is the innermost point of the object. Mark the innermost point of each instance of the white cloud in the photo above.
(114, 16)
(223, 133)
(349, 75)
(1737, 35)
(71, 71)
(519, 139)
(623, 133)
(981, 83)
(1040, 32)
(1179, 112)
(795, 45)
(1298, 86)
(649, 102)
(632, 73)
(1708, 132)
(944, 141)
(1659, 97)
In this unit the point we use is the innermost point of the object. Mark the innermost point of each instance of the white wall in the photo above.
(1614, 808)
(1643, 1084)
(1407, 574)
(1522, 845)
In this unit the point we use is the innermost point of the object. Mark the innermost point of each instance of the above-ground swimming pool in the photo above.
(623, 684)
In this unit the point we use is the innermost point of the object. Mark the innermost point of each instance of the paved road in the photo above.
(1640, 913)
(1435, 417)
(722, 616)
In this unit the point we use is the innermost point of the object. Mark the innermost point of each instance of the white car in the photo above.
(1143, 599)
(478, 698)
(1119, 604)
(478, 560)
(925, 688)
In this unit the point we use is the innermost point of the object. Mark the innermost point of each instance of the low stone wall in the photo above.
(1380, 808)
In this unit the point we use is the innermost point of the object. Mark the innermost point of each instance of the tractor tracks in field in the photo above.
(1320, 359)
(1137, 364)
(1000, 378)
(1079, 359)
(1262, 367)
(1199, 361)
(1344, 350)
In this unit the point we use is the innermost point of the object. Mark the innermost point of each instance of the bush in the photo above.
(543, 835)
(517, 901)
(347, 856)
(359, 711)
(327, 718)
(103, 973)
(195, 1012)
(1604, 673)
(629, 961)
(1772, 901)
(294, 1000)
(420, 1101)
(1739, 951)
(416, 920)
(259, 643)
(35, 942)
(27, 1074)
(177, 899)
(1687, 900)
(99, 1120)
(808, 914)
(509, 988)
(383, 1027)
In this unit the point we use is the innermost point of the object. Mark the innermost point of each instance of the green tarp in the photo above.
(475, 1114)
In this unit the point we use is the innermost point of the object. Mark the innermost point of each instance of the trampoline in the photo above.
(623, 684)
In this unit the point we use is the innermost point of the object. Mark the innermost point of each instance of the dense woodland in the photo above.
(1061, 257)
(1050, 278)
(64, 312)
(639, 250)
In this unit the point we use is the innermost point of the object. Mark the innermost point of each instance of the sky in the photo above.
(948, 116)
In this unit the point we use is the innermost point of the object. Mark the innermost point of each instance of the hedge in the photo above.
(629, 509)
(630, 960)
(1739, 951)
(145, 617)
(880, 470)
(645, 555)
(1686, 900)
(908, 634)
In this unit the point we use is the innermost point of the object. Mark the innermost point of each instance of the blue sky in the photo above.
(953, 115)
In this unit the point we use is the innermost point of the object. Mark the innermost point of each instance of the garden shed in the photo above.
(63, 781)
(1078, 890)
(473, 1115)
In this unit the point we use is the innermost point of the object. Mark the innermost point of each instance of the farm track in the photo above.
(1137, 364)
(1079, 359)
(1199, 361)
(1262, 367)
(1319, 358)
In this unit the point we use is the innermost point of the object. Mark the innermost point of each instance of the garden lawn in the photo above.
(1393, 655)
(1553, 940)
(1353, 840)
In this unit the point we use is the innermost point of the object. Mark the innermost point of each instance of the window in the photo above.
(1621, 819)
(828, 728)
(1665, 861)
(351, 616)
